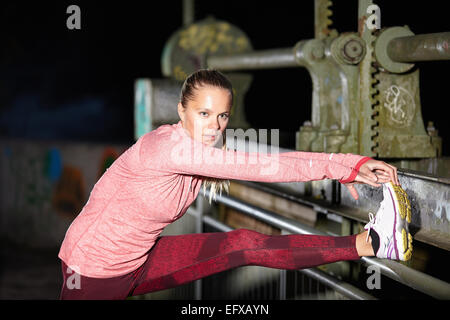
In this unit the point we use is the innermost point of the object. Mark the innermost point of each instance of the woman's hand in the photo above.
(374, 173)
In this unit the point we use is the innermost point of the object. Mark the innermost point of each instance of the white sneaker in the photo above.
(391, 224)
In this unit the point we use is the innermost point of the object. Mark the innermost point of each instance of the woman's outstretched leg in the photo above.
(176, 260)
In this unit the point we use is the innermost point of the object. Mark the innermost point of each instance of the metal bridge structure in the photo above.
(365, 100)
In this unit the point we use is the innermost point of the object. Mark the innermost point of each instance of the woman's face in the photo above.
(206, 116)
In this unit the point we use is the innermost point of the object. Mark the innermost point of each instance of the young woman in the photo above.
(113, 249)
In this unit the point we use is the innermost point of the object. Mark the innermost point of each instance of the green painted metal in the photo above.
(400, 130)
(188, 48)
(322, 19)
(256, 60)
(381, 49)
(391, 124)
(335, 95)
(364, 109)
(142, 115)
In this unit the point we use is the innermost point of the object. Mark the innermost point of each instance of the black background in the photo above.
(57, 83)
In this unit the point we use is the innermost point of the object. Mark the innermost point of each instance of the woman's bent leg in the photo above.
(176, 260)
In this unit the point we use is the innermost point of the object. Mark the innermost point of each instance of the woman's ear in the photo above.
(181, 111)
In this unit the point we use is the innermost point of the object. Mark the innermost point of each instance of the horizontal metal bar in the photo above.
(264, 59)
(415, 279)
(267, 216)
(412, 278)
(342, 287)
(216, 224)
(422, 47)
(423, 176)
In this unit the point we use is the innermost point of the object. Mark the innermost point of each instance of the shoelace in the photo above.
(371, 223)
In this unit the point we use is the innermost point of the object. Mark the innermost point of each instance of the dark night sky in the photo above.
(78, 85)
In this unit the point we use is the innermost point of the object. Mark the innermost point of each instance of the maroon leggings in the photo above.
(176, 260)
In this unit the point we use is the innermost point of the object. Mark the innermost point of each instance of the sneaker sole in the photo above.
(403, 206)
(407, 243)
(403, 202)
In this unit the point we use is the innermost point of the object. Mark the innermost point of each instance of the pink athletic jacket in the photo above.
(155, 181)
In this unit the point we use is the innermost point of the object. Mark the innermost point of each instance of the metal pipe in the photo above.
(188, 12)
(422, 47)
(344, 288)
(199, 214)
(269, 217)
(216, 224)
(415, 279)
(265, 59)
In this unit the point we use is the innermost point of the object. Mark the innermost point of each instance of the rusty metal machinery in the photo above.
(365, 100)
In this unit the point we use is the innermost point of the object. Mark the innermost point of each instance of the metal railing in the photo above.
(253, 282)
(407, 276)
(342, 287)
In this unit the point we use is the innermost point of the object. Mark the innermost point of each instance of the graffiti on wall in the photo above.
(69, 192)
(41, 181)
(44, 187)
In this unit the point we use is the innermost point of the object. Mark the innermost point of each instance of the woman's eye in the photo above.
(205, 114)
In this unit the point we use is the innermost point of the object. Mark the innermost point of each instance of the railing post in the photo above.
(283, 275)
(200, 207)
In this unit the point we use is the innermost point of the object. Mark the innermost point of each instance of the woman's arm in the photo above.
(349, 160)
(187, 156)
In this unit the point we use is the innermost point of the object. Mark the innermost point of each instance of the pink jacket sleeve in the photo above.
(187, 156)
(349, 160)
